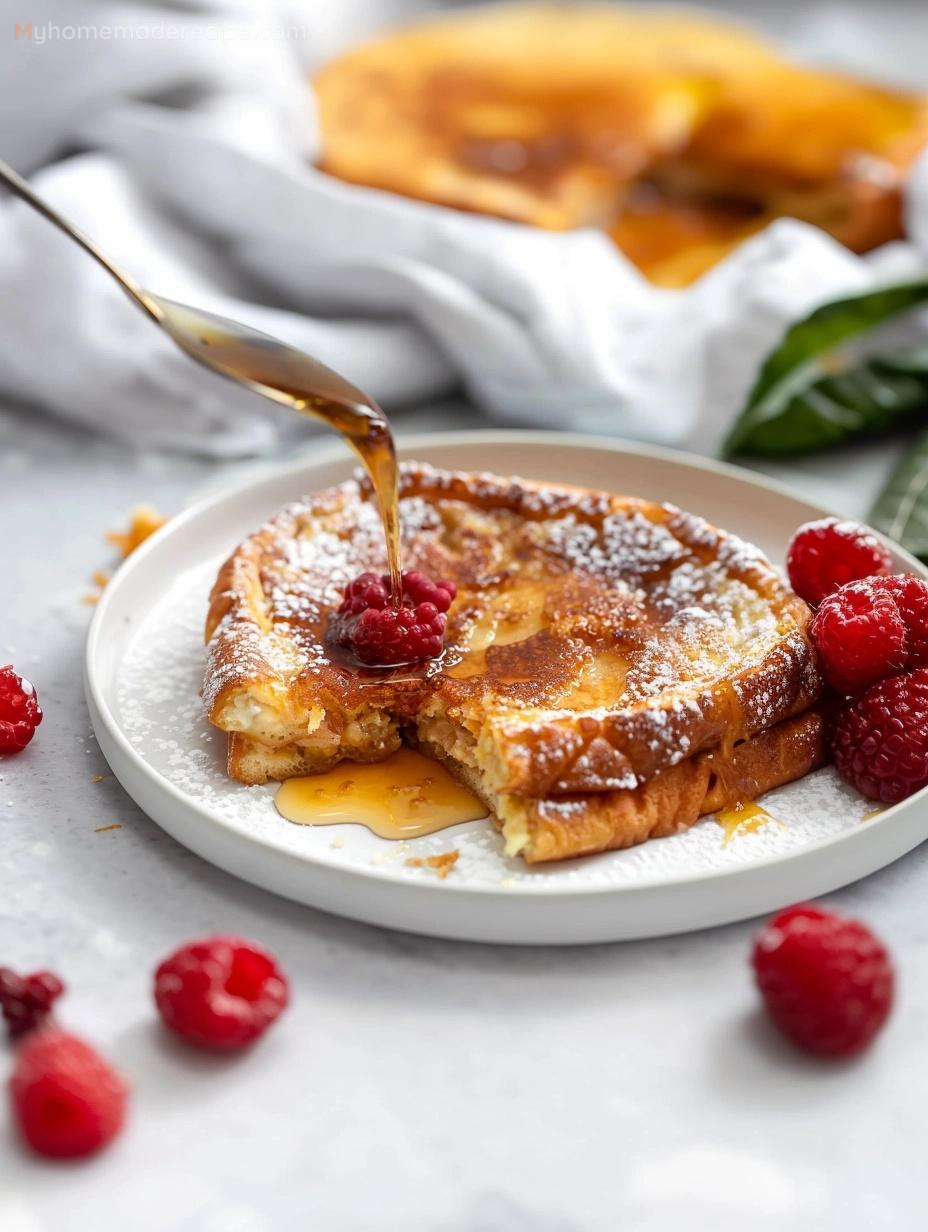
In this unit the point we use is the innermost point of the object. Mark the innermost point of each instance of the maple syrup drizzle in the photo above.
(295, 379)
(742, 819)
(403, 797)
(874, 812)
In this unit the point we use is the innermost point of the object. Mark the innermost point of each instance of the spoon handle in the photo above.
(21, 189)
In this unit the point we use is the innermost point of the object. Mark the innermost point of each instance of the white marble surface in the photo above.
(414, 1084)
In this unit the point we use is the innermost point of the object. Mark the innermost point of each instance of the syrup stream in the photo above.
(266, 365)
(293, 378)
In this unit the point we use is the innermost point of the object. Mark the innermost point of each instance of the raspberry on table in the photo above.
(860, 636)
(67, 1100)
(826, 981)
(26, 1000)
(381, 635)
(825, 554)
(880, 742)
(20, 713)
(221, 992)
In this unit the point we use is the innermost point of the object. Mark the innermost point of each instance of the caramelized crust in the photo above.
(596, 643)
(560, 828)
(679, 134)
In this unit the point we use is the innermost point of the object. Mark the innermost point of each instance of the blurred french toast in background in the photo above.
(677, 133)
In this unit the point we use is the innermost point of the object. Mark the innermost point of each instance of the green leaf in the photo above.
(901, 509)
(812, 392)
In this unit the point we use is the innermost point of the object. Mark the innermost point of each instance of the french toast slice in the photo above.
(561, 827)
(678, 133)
(613, 667)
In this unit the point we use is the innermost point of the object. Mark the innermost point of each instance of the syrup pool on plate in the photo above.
(405, 796)
(743, 819)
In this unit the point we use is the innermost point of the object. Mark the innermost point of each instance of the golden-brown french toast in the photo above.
(679, 133)
(613, 667)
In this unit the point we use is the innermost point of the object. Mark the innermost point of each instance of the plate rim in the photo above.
(329, 451)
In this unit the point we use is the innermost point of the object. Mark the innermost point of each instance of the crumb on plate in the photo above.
(443, 863)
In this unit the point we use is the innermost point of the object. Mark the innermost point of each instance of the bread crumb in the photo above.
(117, 825)
(443, 863)
(97, 778)
(337, 842)
(144, 520)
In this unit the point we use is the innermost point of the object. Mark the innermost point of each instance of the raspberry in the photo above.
(824, 555)
(421, 589)
(827, 982)
(20, 713)
(26, 1000)
(392, 637)
(881, 739)
(860, 636)
(911, 595)
(365, 591)
(221, 992)
(67, 1101)
(384, 636)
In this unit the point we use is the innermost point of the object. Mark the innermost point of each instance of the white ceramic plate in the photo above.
(143, 669)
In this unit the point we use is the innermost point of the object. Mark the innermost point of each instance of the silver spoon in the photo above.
(262, 364)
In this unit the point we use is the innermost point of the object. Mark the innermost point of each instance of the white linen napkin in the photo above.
(188, 158)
